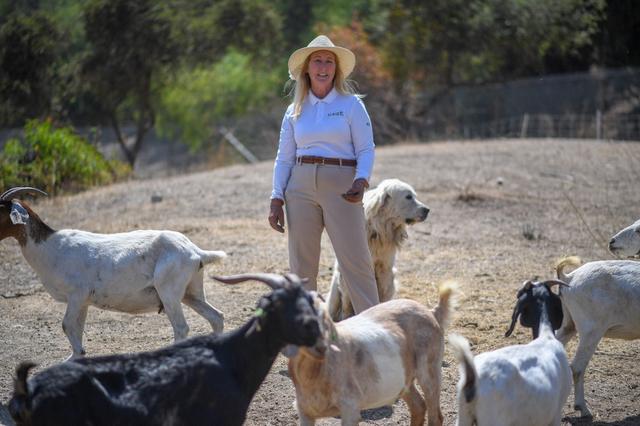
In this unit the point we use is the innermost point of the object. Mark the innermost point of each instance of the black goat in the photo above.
(203, 380)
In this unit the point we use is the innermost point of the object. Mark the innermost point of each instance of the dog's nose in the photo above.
(424, 211)
(611, 243)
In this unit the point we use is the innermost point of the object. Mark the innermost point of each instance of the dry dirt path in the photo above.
(501, 212)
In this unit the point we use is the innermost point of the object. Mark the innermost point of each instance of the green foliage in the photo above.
(452, 42)
(55, 159)
(28, 47)
(198, 98)
(129, 40)
(131, 47)
(205, 30)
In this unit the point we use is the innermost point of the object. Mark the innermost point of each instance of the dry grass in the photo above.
(501, 212)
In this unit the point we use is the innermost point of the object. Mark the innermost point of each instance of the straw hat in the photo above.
(346, 58)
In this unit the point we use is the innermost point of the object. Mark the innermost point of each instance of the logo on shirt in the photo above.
(336, 114)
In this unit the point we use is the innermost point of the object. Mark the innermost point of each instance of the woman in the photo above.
(324, 162)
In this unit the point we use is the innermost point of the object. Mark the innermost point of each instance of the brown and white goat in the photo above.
(374, 358)
(133, 272)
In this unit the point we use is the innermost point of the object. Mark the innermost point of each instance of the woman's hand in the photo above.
(355, 193)
(276, 214)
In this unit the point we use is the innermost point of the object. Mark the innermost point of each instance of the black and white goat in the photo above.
(133, 272)
(520, 384)
(203, 380)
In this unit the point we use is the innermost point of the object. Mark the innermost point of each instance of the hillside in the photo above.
(502, 212)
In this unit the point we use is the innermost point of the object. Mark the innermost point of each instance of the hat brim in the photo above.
(346, 59)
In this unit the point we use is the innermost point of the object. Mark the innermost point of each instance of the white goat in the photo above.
(372, 359)
(602, 300)
(522, 384)
(134, 272)
(627, 241)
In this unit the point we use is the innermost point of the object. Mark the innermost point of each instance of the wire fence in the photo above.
(574, 126)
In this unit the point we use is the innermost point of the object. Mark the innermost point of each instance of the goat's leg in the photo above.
(170, 281)
(176, 317)
(586, 348)
(430, 379)
(73, 324)
(305, 420)
(195, 298)
(568, 328)
(416, 405)
(211, 314)
(349, 413)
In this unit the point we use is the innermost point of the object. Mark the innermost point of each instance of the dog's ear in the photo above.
(376, 201)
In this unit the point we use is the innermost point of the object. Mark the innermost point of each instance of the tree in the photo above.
(27, 56)
(131, 44)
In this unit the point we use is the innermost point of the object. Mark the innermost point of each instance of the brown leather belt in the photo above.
(310, 159)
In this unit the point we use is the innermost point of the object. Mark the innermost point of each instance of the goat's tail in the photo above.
(20, 405)
(447, 303)
(210, 256)
(573, 261)
(468, 373)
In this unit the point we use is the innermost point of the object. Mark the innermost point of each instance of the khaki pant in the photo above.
(314, 202)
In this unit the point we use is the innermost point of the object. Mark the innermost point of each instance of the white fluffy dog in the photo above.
(388, 209)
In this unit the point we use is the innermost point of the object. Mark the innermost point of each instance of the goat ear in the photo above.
(514, 318)
(19, 214)
(524, 288)
(290, 351)
(556, 315)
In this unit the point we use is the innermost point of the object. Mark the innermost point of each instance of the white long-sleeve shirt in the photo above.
(336, 126)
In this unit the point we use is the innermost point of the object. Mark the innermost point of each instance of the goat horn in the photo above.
(272, 280)
(19, 190)
(558, 282)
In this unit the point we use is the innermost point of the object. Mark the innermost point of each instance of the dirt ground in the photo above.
(501, 212)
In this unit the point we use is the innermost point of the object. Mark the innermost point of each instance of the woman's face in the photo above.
(322, 70)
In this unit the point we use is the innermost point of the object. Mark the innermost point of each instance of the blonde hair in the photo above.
(302, 84)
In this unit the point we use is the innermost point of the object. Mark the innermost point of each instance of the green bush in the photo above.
(54, 160)
(200, 98)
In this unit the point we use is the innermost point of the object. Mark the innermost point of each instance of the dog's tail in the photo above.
(20, 404)
(447, 303)
(334, 298)
(210, 256)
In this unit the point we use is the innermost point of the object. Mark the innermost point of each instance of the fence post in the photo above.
(525, 124)
(248, 155)
(598, 125)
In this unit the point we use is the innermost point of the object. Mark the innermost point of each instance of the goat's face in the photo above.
(533, 298)
(626, 243)
(7, 226)
(397, 202)
(293, 308)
